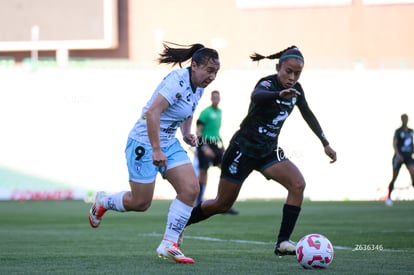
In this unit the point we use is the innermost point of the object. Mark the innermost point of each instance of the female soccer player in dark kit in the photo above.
(254, 146)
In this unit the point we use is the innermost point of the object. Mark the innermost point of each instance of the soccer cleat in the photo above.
(388, 202)
(285, 248)
(97, 210)
(170, 250)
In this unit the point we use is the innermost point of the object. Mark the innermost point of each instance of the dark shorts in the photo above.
(408, 160)
(204, 162)
(236, 166)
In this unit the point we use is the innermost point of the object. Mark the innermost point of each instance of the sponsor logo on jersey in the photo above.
(266, 83)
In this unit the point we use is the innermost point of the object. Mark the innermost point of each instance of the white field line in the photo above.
(210, 239)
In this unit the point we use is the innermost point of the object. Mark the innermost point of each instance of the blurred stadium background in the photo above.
(75, 74)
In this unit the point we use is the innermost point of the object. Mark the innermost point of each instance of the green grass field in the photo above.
(40, 237)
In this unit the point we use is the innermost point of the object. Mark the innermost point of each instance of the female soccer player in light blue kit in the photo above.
(153, 148)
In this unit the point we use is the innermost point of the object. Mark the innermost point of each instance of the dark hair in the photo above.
(197, 52)
(289, 52)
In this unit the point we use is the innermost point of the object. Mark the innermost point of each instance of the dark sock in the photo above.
(390, 188)
(289, 218)
(196, 215)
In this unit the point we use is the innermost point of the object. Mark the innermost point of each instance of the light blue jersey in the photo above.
(176, 89)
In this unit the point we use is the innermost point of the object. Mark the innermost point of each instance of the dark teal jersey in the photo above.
(259, 131)
(404, 139)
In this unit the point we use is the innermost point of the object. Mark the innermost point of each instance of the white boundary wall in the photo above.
(71, 125)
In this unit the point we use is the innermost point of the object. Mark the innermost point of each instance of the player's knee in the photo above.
(193, 190)
(298, 186)
(189, 192)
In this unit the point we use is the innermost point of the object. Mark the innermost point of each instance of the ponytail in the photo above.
(289, 52)
(197, 52)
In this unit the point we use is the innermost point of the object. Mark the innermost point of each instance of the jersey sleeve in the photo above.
(396, 133)
(171, 86)
(264, 91)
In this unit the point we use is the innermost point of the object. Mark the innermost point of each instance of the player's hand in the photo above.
(190, 139)
(289, 93)
(330, 153)
(159, 159)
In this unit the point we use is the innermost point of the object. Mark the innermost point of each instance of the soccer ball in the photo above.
(314, 251)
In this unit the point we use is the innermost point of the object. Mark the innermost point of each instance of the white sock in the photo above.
(177, 219)
(114, 202)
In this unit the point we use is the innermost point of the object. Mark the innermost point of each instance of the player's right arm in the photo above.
(396, 150)
(153, 115)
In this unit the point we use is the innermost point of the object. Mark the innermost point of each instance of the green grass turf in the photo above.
(54, 237)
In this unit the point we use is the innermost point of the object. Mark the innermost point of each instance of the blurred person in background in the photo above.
(153, 148)
(210, 147)
(403, 154)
